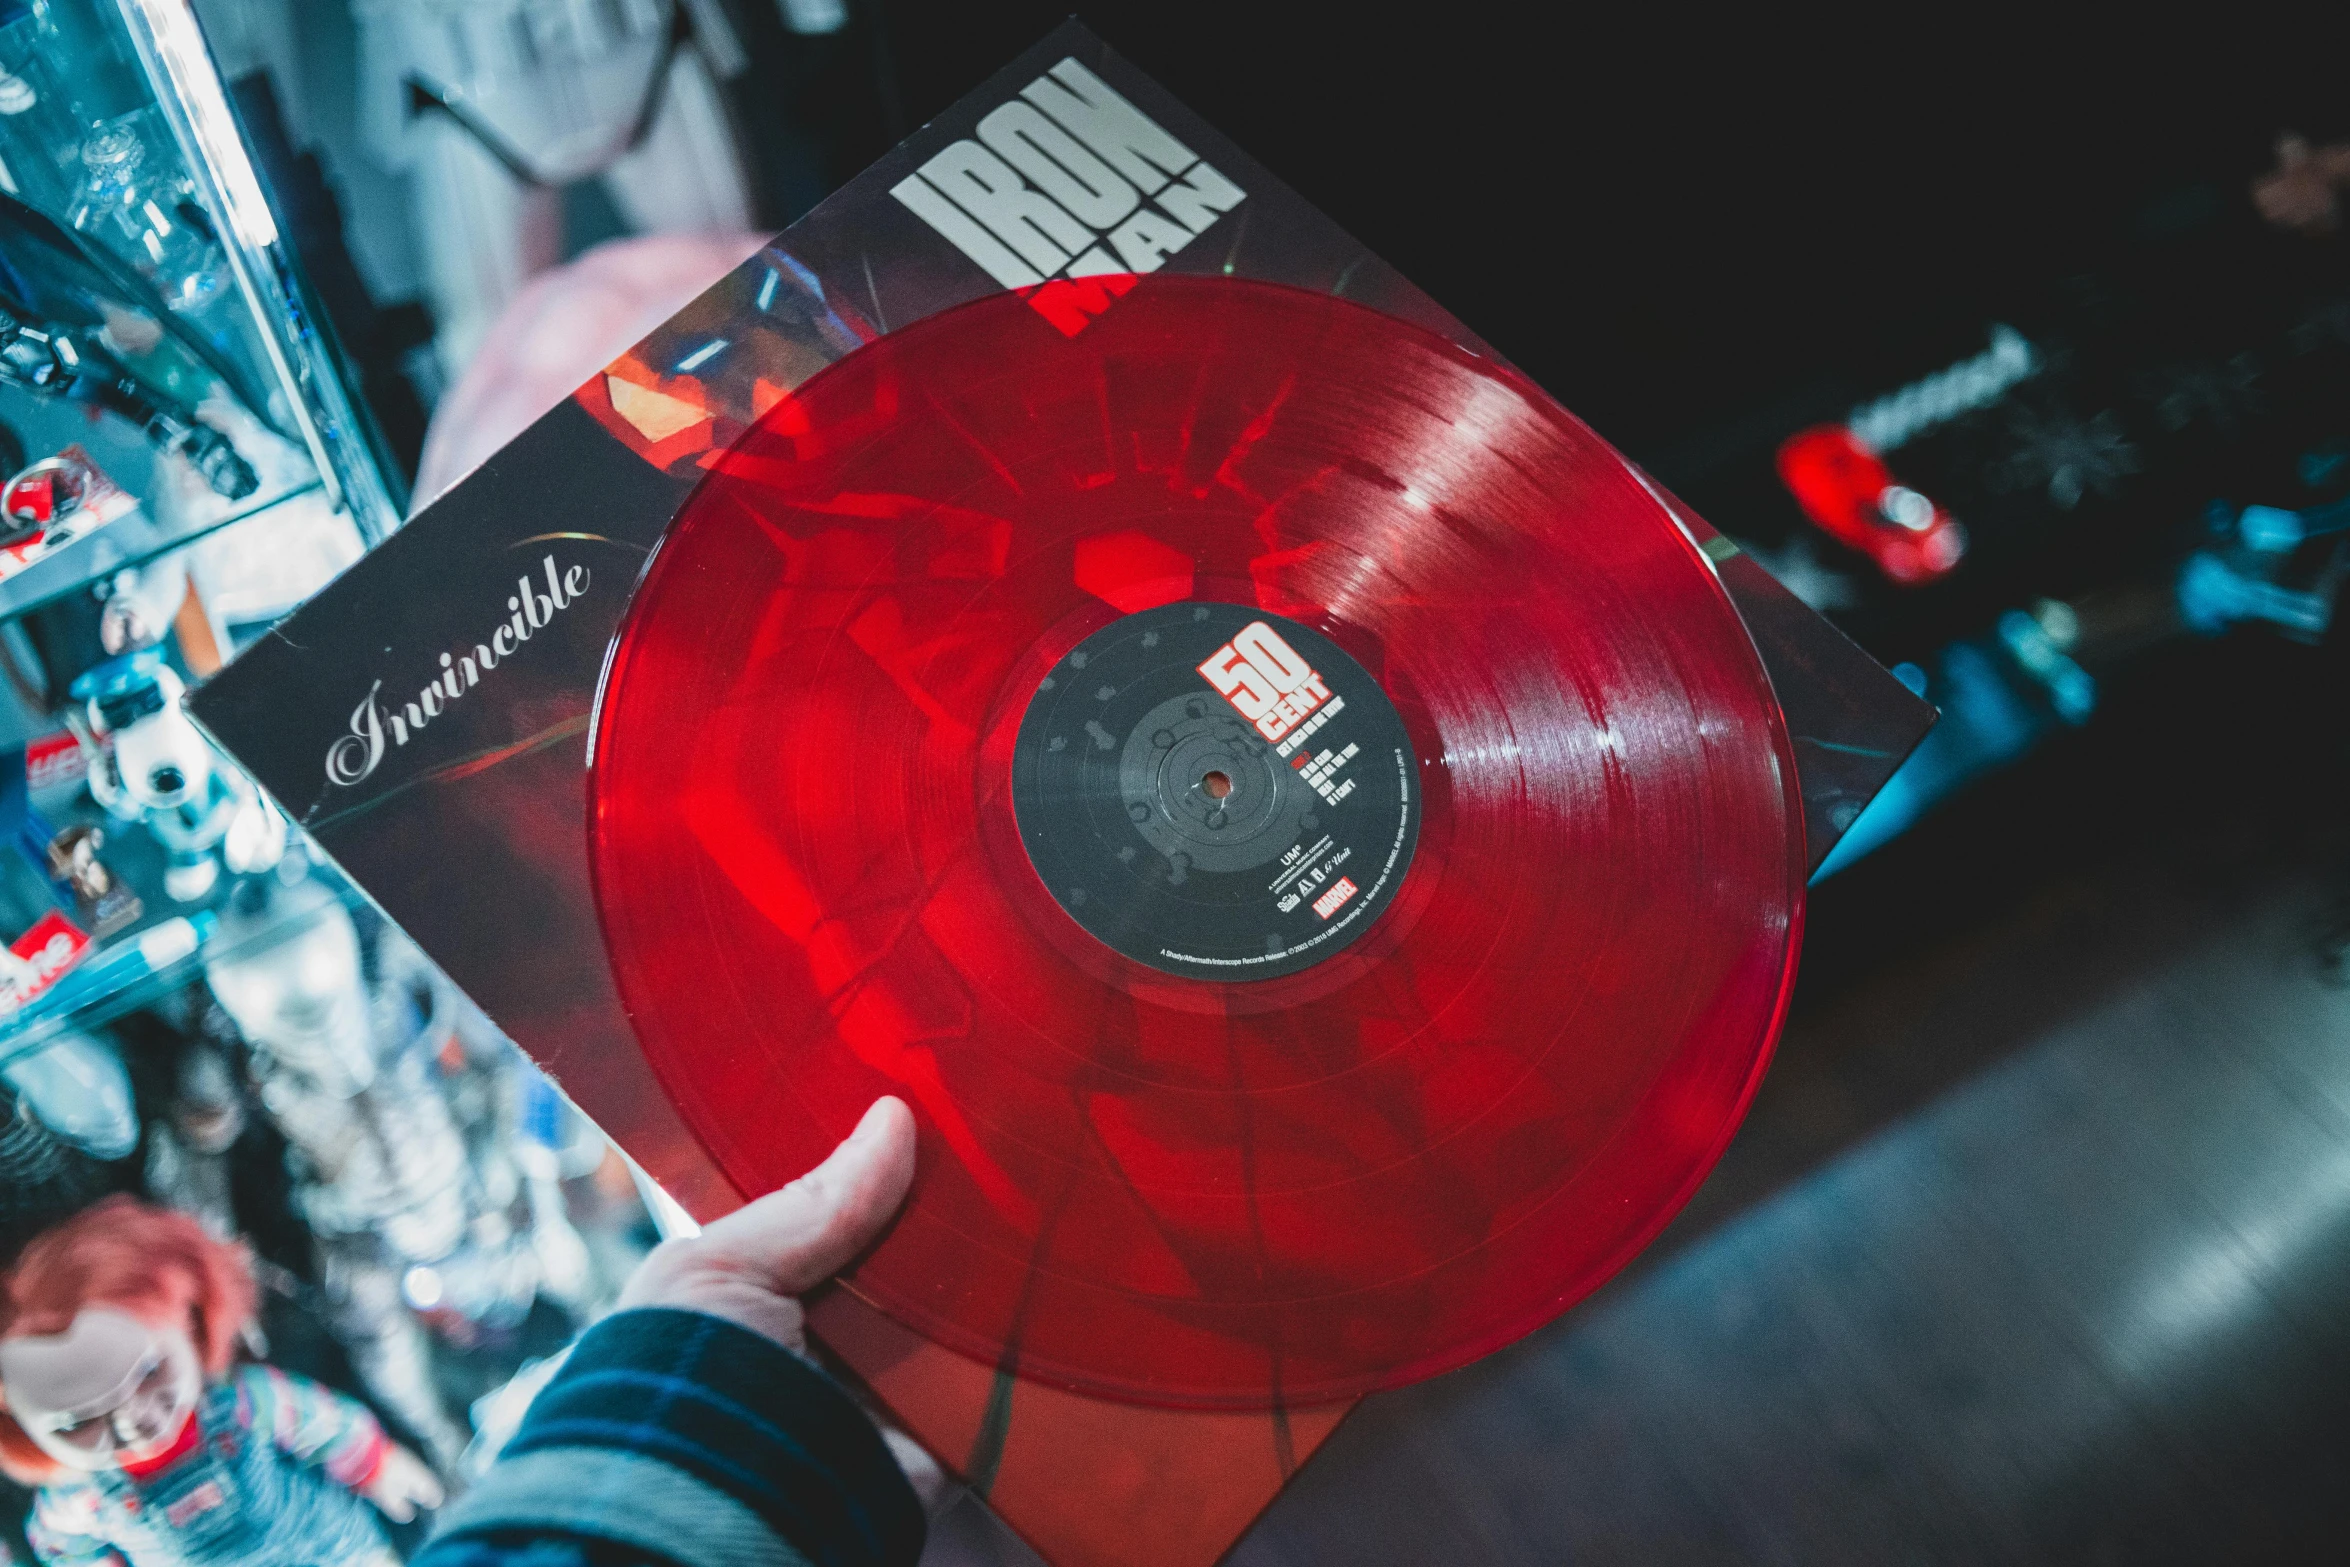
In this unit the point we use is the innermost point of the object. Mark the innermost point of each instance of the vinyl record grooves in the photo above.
(907, 777)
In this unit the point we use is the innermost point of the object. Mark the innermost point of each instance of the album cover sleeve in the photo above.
(426, 718)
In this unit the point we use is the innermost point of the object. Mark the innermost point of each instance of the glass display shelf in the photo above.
(128, 541)
(136, 235)
(180, 938)
(187, 450)
(154, 324)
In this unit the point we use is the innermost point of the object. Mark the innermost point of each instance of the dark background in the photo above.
(1674, 222)
(2076, 1033)
(1702, 235)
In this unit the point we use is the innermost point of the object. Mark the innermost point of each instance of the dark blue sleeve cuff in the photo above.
(743, 1415)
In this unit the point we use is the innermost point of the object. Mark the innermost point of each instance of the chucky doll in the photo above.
(148, 1444)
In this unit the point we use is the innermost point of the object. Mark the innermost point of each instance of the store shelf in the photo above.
(128, 541)
(23, 1037)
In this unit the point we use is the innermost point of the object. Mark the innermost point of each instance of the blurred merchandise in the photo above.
(105, 904)
(193, 1008)
(554, 1141)
(46, 496)
(415, 1219)
(492, 110)
(156, 770)
(141, 605)
(76, 1086)
(44, 1177)
(63, 70)
(36, 960)
(156, 950)
(39, 137)
(201, 1118)
(52, 503)
(78, 324)
(133, 202)
(1846, 488)
(2150, 452)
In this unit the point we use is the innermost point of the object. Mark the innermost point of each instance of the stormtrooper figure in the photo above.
(382, 1175)
(553, 1142)
(160, 774)
(524, 1245)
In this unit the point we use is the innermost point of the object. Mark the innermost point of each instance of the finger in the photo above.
(796, 1238)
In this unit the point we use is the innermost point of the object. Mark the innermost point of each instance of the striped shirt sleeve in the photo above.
(672, 1435)
(311, 1423)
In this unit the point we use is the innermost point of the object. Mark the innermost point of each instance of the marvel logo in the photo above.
(1265, 680)
(1331, 902)
(1068, 194)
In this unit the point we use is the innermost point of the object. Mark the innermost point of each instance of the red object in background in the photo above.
(35, 501)
(52, 503)
(1132, 1185)
(44, 953)
(54, 761)
(1846, 488)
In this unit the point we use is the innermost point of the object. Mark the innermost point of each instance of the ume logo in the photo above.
(1068, 194)
(1265, 680)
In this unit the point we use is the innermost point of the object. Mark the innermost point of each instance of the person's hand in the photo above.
(401, 1484)
(752, 1266)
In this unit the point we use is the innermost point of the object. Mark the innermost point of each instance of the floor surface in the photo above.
(2035, 1248)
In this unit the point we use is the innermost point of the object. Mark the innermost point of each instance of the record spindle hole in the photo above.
(1217, 785)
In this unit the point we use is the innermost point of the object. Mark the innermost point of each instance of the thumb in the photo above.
(794, 1239)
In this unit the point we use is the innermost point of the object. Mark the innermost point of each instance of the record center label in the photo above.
(1215, 791)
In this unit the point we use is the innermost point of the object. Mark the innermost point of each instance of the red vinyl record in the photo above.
(1300, 824)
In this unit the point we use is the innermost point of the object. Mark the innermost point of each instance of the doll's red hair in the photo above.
(147, 1262)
